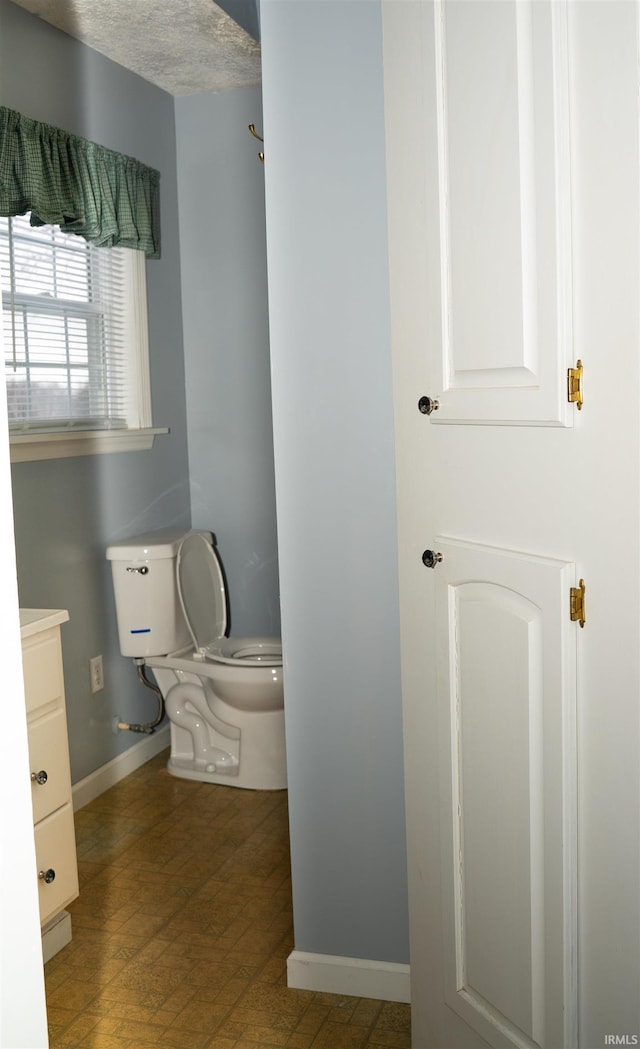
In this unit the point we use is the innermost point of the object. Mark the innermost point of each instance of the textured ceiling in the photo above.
(185, 47)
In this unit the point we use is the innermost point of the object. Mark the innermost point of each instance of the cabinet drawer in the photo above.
(42, 666)
(49, 753)
(56, 850)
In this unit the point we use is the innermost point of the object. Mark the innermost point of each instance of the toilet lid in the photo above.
(201, 589)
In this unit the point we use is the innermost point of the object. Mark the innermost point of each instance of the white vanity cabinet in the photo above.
(57, 868)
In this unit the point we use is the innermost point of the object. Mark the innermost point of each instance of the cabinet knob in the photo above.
(47, 876)
(39, 777)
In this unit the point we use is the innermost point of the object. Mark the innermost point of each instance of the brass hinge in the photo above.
(574, 385)
(576, 604)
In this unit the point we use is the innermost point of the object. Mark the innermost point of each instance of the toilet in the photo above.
(223, 695)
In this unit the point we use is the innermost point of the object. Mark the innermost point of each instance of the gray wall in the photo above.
(334, 457)
(68, 510)
(226, 335)
(333, 428)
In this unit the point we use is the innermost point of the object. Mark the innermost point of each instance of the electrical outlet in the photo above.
(96, 674)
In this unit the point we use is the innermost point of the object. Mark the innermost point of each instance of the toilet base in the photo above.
(185, 768)
(262, 764)
(213, 741)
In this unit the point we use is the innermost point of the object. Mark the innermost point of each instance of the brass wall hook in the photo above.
(252, 129)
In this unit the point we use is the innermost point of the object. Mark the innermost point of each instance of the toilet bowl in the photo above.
(223, 696)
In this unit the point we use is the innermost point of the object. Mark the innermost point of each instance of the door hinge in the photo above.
(574, 385)
(576, 604)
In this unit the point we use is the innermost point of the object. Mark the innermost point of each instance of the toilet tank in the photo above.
(150, 619)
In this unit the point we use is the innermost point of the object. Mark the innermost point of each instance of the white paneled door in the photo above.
(512, 146)
(505, 659)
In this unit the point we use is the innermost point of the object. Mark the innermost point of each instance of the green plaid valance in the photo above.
(84, 188)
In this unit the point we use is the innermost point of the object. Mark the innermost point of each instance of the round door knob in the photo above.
(39, 777)
(47, 876)
(431, 558)
(426, 405)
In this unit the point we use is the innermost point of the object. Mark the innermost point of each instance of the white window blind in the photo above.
(73, 323)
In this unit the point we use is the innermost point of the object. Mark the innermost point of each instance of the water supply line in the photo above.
(151, 725)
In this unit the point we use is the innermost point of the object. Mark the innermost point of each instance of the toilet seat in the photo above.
(252, 651)
(203, 599)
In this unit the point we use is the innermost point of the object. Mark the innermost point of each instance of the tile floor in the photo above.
(183, 926)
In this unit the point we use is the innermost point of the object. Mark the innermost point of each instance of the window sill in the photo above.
(26, 448)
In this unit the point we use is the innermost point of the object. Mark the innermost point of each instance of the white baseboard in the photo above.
(92, 786)
(358, 977)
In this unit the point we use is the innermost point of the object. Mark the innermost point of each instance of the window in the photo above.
(75, 343)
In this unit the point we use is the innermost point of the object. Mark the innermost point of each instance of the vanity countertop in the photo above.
(34, 620)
